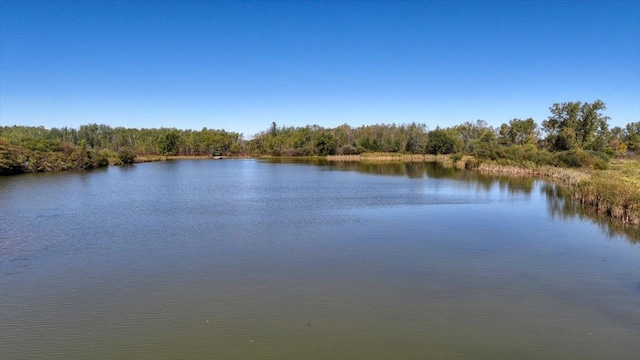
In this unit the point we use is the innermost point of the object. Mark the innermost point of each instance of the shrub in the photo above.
(127, 156)
(347, 150)
(99, 158)
(544, 157)
(601, 165)
(572, 158)
(471, 164)
(581, 158)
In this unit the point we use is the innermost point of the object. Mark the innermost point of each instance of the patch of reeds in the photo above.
(152, 158)
(613, 197)
(389, 157)
(564, 176)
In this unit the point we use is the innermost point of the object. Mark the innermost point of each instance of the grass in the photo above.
(391, 157)
(626, 170)
(614, 191)
(152, 158)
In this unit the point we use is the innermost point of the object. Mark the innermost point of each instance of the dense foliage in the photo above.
(574, 135)
(31, 149)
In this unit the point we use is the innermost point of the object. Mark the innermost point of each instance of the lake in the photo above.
(248, 259)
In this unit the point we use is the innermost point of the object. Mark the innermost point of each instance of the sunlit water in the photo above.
(242, 259)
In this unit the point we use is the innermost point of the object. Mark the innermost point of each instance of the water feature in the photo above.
(257, 259)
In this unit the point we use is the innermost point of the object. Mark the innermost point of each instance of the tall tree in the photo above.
(168, 142)
(632, 136)
(575, 125)
(441, 141)
(518, 132)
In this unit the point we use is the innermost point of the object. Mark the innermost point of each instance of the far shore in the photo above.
(153, 158)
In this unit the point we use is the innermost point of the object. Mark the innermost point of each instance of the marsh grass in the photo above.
(152, 158)
(397, 157)
(614, 191)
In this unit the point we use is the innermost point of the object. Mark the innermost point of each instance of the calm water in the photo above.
(242, 259)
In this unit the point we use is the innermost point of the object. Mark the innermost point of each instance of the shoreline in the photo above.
(613, 193)
(603, 191)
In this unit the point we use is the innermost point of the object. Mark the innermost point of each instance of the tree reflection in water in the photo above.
(560, 203)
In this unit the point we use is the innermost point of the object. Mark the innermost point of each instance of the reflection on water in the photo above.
(421, 170)
(560, 202)
(562, 205)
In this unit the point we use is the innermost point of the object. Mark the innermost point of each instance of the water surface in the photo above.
(250, 259)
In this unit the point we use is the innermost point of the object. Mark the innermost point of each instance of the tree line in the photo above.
(34, 149)
(574, 134)
(164, 141)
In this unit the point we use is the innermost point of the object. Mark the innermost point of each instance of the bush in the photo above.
(581, 158)
(572, 158)
(544, 157)
(601, 165)
(471, 164)
(599, 154)
(347, 150)
(127, 156)
(99, 159)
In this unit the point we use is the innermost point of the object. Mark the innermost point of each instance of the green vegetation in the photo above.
(17, 159)
(575, 135)
(25, 149)
(126, 155)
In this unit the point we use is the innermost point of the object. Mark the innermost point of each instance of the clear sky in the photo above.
(240, 65)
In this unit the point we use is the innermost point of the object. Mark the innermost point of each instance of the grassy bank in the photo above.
(614, 192)
(19, 160)
(16, 159)
(373, 157)
(152, 158)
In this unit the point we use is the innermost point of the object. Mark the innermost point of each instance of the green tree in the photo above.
(168, 142)
(518, 132)
(486, 146)
(416, 138)
(126, 155)
(469, 133)
(326, 144)
(632, 136)
(441, 141)
(574, 125)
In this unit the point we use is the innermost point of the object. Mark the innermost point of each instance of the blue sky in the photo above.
(241, 65)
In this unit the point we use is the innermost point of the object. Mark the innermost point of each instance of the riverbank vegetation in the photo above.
(25, 149)
(575, 135)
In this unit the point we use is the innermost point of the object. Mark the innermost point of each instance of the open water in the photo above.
(246, 259)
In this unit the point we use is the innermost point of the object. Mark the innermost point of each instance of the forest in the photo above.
(575, 134)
